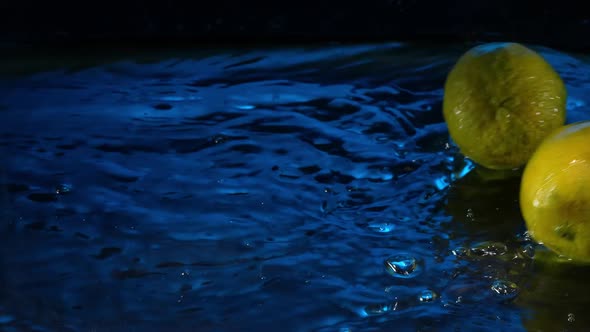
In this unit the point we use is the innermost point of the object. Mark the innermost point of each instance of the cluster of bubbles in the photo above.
(407, 266)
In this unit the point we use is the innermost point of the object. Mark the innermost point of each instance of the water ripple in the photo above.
(234, 190)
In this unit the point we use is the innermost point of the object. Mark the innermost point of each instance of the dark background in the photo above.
(560, 24)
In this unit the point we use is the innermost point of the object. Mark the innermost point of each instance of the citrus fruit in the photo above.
(500, 101)
(555, 192)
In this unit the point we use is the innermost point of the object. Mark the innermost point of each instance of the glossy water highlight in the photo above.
(308, 189)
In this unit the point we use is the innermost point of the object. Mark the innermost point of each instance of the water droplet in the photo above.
(427, 296)
(402, 266)
(377, 309)
(63, 188)
(571, 318)
(464, 170)
(461, 252)
(505, 288)
(382, 227)
(470, 215)
(489, 249)
(524, 237)
(528, 251)
(441, 183)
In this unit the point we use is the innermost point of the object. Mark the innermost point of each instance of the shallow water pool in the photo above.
(296, 189)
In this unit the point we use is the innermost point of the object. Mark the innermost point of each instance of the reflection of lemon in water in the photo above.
(487, 209)
(555, 295)
(555, 192)
(501, 100)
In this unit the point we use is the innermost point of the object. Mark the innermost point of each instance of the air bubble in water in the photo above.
(489, 249)
(524, 237)
(571, 318)
(528, 251)
(505, 288)
(402, 266)
(470, 215)
(461, 252)
(427, 296)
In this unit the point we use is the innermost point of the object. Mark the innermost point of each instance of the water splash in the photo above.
(382, 227)
(402, 266)
(505, 288)
(489, 249)
(200, 185)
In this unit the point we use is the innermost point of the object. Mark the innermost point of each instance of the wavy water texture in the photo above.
(304, 189)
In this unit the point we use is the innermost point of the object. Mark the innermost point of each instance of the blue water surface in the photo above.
(299, 189)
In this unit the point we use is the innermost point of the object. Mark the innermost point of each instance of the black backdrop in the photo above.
(563, 24)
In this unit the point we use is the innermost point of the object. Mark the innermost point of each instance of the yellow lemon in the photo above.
(555, 192)
(500, 101)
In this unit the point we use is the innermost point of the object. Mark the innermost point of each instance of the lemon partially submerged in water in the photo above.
(500, 101)
(555, 192)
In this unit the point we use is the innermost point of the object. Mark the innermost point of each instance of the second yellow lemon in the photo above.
(500, 101)
(555, 192)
